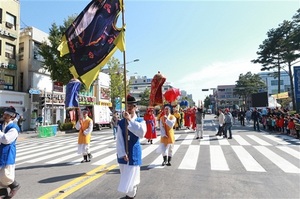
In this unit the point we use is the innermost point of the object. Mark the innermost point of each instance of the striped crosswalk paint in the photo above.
(59, 149)
(217, 159)
(190, 158)
(247, 160)
(277, 160)
(259, 141)
(241, 140)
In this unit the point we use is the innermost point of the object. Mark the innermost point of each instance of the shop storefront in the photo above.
(19, 101)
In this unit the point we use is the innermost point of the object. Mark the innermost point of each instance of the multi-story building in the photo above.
(138, 84)
(46, 96)
(9, 70)
(225, 97)
(271, 80)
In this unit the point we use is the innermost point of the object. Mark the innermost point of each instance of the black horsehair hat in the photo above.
(11, 111)
(131, 100)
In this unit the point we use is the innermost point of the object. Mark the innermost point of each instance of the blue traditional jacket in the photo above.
(8, 151)
(134, 146)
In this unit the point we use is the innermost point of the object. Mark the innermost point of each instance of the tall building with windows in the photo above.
(9, 68)
(271, 80)
(9, 43)
(138, 84)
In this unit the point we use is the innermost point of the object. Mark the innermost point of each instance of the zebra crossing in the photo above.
(281, 151)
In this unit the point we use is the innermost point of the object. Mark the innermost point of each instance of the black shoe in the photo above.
(201, 137)
(127, 197)
(151, 142)
(217, 134)
(224, 136)
(229, 138)
(197, 138)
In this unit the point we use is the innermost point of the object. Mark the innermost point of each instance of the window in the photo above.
(0, 47)
(275, 82)
(21, 51)
(10, 21)
(36, 54)
(10, 51)
(0, 15)
(9, 82)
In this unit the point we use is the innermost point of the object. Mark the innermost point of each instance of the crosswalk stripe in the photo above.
(107, 150)
(223, 141)
(290, 151)
(259, 141)
(277, 160)
(188, 140)
(217, 158)
(190, 158)
(45, 151)
(157, 162)
(75, 154)
(205, 140)
(241, 140)
(275, 139)
(247, 160)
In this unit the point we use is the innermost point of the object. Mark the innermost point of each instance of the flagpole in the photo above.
(125, 79)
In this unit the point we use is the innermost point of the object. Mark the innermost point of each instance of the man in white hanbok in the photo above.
(129, 151)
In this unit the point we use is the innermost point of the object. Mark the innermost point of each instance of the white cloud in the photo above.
(210, 76)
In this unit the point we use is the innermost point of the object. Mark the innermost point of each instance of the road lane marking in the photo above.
(277, 160)
(190, 158)
(217, 159)
(290, 151)
(76, 184)
(259, 141)
(188, 140)
(157, 162)
(241, 140)
(247, 160)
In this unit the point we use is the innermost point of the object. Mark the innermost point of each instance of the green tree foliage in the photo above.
(116, 80)
(145, 97)
(207, 102)
(56, 65)
(281, 49)
(248, 84)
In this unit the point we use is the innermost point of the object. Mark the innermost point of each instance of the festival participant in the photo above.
(167, 140)
(187, 119)
(193, 118)
(85, 127)
(9, 132)
(150, 120)
(177, 115)
(129, 151)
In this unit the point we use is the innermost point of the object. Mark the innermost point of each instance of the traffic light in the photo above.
(42, 102)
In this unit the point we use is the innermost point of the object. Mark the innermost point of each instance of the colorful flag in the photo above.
(93, 38)
(72, 93)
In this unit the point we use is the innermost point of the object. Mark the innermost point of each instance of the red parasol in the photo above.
(171, 94)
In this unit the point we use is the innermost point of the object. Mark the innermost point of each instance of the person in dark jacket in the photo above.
(255, 116)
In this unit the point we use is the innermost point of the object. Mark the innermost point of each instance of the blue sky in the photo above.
(195, 44)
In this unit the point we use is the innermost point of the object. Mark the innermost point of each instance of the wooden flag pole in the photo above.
(125, 79)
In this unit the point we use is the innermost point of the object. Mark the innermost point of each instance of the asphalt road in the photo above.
(251, 165)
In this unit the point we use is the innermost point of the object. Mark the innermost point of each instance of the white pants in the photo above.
(130, 178)
(7, 175)
(199, 129)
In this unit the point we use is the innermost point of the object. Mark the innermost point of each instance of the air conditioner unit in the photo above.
(9, 25)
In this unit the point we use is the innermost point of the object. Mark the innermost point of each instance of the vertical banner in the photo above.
(297, 87)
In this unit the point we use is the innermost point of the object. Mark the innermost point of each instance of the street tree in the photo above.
(281, 49)
(56, 65)
(247, 85)
(117, 89)
(145, 97)
(207, 102)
